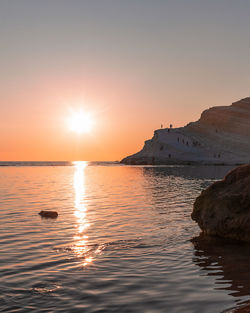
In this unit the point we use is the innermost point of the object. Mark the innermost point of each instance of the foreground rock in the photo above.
(223, 209)
(220, 136)
(49, 214)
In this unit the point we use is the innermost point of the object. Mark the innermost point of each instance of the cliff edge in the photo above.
(220, 136)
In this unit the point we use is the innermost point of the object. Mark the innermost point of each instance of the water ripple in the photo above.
(121, 242)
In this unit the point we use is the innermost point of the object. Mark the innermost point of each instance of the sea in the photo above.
(123, 241)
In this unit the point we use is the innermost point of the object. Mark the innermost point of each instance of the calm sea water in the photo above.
(121, 243)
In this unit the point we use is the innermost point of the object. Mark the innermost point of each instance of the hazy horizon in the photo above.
(134, 65)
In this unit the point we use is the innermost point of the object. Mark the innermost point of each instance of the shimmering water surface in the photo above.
(121, 243)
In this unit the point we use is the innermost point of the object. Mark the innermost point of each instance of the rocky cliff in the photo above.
(220, 136)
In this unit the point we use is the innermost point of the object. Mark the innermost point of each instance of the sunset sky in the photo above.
(131, 64)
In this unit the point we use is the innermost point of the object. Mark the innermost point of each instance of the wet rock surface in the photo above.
(223, 209)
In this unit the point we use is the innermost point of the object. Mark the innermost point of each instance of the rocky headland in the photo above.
(220, 136)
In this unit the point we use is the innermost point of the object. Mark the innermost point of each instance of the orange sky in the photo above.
(133, 65)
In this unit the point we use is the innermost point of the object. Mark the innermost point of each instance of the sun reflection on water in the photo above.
(81, 239)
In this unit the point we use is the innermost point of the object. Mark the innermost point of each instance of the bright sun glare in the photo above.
(80, 122)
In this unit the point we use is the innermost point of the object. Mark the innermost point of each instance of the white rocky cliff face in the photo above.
(220, 136)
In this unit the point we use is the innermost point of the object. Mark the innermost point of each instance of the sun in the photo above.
(80, 122)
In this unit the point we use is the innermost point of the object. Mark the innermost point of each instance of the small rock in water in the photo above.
(48, 214)
(223, 209)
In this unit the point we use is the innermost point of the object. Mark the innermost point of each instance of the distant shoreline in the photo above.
(51, 163)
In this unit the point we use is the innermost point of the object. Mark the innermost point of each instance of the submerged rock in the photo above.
(49, 214)
(219, 257)
(223, 209)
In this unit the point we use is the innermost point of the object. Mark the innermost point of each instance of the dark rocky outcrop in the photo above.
(48, 214)
(223, 209)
